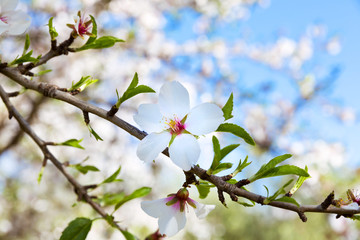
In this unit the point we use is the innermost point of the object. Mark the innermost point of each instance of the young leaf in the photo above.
(72, 143)
(93, 31)
(217, 155)
(204, 189)
(92, 132)
(288, 200)
(25, 58)
(267, 169)
(277, 193)
(245, 204)
(237, 131)
(42, 72)
(40, 174)
(228, 107)
(282, 170)
(112, 178)
(141, 192)
(299, 182)
(82, 83)
(228, 149)
(85, 169)
(222, 167)
(133, 90)
(27, 44)
(111, 199)
(102, 42)
(128, 236)
(356, 217)
(77, 229)
(241, 166)
(52, 30)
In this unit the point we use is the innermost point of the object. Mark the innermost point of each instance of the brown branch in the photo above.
(79, 189)
(222, 186)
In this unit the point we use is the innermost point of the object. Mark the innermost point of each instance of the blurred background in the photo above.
(291, 65)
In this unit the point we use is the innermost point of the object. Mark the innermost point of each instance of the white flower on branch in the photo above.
(172, 124)
(12, 22)
(171, 211)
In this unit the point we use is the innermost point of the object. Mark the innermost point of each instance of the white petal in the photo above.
(184, 151)
(154, 208)
(174, 100)
(3, 27)
(153, 144)
(18, 22)
(149, 118)
(202, 210)
(351, 206)
(8, 5)
(204, 118)
(170, 224)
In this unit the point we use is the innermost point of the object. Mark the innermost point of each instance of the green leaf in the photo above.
(277, 193)
(204, 189)
(245, 204)
(269, 170)
(217, 155)
(72, 143)
(93, 31)
(228, 107)
(82, 83)
(241, 166)
(27, 44)
(92, 132)
(356, 217)
(102, 42)
(112, 178)
(283, 170)
(52, 30)
(127, 235)
(25, 58)
(85, 169)
(42, 72)
(112, 198)
(237, 131)
(288, 200)
(40, 174)
(299, 182)
(141, 192)
(133, 90)
(77, 229)
(222, 167)
(228, 149)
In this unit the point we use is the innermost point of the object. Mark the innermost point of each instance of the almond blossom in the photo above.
(171, 211)
(81, 27)
(12, 22)
(172, 124)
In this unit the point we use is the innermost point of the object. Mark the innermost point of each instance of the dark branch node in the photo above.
(289, 194)
(86, 117)
(48, 90)
(242, 182)
(190, 179)
(13, 94)
(53, 44)
(226, 178)
(302, 216)
(112, 111)
(221, 197)
(3, 65)
(328, 201)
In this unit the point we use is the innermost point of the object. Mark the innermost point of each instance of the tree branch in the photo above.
(79, 189)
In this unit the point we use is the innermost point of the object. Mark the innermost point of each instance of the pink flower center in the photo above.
(4, 19)
(82, 28)
(176, 126)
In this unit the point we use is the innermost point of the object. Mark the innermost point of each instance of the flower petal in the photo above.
(172, 223)
(184, 151)
(351, 206)
(153, 144)
(204, 118)
(149, 118)
(8, 5)
(202, 210)
(154, 208)
(18, 22)
(174, 100)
